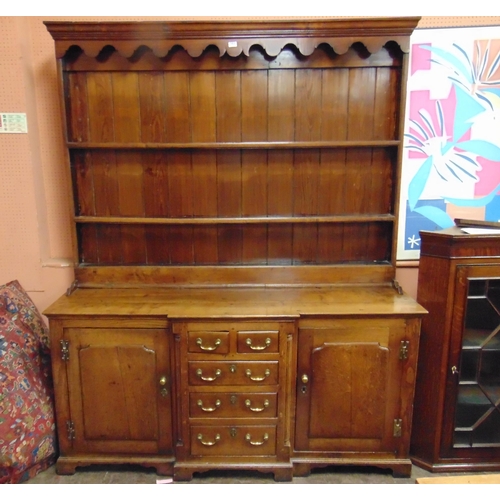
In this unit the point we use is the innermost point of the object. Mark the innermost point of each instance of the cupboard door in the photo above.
(355, 383)
(119, 390)
(471, 424)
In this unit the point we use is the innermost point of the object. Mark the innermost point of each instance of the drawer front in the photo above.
(224, 405)
(233, 373)
(229, 441)
(208, 342)
(258, 341)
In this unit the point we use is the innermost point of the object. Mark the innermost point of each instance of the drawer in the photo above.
(224, 405)
(233, 372)
(208, 341)
(215, 440)
(258, 341)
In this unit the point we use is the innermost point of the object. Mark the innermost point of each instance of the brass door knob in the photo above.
(304, 379)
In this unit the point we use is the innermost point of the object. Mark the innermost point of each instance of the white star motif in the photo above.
(414, 241)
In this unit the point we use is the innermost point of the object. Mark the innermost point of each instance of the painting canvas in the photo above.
(451, 154)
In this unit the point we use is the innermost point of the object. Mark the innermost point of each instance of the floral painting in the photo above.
(451, 158)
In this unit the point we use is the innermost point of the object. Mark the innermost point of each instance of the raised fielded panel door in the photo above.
(119, 390)
(353, 386)
(471, 424)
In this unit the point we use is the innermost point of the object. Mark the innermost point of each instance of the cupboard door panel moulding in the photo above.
(235, 216)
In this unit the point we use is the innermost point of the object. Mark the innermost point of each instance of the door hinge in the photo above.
(397, 427)
(403, 349)
(70, 428)
(65, 350)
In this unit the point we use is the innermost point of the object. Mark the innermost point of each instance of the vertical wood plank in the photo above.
(100, 107)
(156, 204)
(76, 106)
(131, 203)
(332, 183)
(228, 105)
(281, 105)
(332, 172)
(228, 108)
(254, 105)
(107, 204)
(204, 164)
(279, 244)
(361, 103)
(382, 172)
(254, 113)
(254, 183)
(85, 205)
(126, 110)
(355, 241)
(360, 179)
(155, 180)
(305, 200)
(84, 182)
(358, 193)
(334, 106)
(308, 104)
(180, 185)
(386, 107)
(305, 243)
(105, 183)
(127, 124)
(378, 242)
(88, 244)
(281, 117)
(203, 106)
(130, 184)
(229, 205)
(180, 177)
(158, 243)
(254, 203)
(152, 106)
(109, 243)
(330, 243)
(177, 112)
(181, 245)
(156, 190)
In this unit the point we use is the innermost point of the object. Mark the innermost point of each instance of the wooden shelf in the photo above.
(236, 220)
(235, 145)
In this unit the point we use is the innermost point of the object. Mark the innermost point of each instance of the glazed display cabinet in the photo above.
(457, 403)
(235, 203)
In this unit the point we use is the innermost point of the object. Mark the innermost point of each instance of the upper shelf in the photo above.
(232, 37)
(235, 145)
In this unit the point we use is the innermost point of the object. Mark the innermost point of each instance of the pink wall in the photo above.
(35, 227)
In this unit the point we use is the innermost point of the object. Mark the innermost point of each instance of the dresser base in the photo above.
(400, 468)
(281, 472)
(67, 465)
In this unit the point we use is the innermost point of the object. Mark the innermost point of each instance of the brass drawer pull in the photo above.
(217, 404)
(248, 438)
(199, 343)
(248, 404)
(199, 373)
(258, 348)
(208, 443)
(248, 373)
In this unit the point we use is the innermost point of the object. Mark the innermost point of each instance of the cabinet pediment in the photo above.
(233, 38)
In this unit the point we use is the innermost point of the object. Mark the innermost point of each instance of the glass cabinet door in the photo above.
(477, 400)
